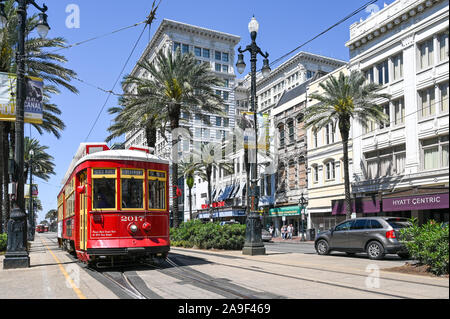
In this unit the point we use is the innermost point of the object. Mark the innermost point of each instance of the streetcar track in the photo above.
(321, 269)
(314, 280)
(216, 285)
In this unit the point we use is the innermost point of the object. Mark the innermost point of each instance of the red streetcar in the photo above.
(114, 205)
(40, 228)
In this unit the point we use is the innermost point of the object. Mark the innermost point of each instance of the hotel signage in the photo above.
(417, 202)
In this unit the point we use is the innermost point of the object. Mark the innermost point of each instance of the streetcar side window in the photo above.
(156, 190)
(104, 188)
(132, 188)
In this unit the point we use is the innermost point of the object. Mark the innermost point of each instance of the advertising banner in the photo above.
(417, 202)
(33, 101)
(249, 130)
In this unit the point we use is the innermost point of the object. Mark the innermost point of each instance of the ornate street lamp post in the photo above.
(17, 254)
(302, 203)
(253, 239)
(31, 226)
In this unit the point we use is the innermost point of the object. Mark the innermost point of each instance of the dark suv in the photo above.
(375, 235)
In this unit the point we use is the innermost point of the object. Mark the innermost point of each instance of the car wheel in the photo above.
(322, 247)
(375, 250)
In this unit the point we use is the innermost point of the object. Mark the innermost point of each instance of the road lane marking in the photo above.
(66, 275)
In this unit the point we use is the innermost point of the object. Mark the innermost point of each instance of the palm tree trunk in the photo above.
(208, 178)
(150, 134)
(190, 203)
(344, 130)
(174, 114)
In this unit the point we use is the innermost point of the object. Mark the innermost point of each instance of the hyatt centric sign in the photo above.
(418, 202)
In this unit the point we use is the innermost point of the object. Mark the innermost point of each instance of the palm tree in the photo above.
(42, 162)
(346, 98)
(175, 84)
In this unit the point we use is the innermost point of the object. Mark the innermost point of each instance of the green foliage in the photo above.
(3, 241)
(429, 245)
(208, 236)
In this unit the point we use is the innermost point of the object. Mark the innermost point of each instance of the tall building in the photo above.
(214, 48)
(403, 164)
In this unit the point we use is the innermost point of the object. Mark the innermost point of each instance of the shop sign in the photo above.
(285, 211)
(417, 202)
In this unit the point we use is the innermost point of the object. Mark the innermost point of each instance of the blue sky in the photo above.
(284, 25)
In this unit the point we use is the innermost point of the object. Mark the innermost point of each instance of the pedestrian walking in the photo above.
(271, 231)
(283, 232)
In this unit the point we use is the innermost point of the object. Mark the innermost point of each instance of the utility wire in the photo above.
(318, 35)
(110, 92)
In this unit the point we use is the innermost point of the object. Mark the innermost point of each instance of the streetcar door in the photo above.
(82, 196)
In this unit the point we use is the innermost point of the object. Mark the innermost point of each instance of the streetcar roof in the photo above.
(120, 155)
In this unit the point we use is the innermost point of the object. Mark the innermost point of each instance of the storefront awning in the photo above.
(366, 206)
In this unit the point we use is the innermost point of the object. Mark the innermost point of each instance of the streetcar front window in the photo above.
(104, 193)
(157, 190)
(104, 188)
(132, 188)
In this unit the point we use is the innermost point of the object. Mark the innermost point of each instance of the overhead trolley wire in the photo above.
(148, 22)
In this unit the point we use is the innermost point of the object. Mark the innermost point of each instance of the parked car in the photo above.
(228, 222)
(376, 236)
(265, 235)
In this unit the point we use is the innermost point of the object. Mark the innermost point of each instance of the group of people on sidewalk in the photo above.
(286, 231)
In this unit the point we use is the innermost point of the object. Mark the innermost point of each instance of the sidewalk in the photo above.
(294, 240)
(52, 275)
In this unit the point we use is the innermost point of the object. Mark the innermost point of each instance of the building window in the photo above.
(426, 53)
(218, 67)
(185, 48)
(291, 131)
(386, 162)
(386, 111)
(443, 89)
(198, 51)
(398, 66)
(383, 72)
(218, 121)
(218, 55)
(315, 173)
(225, 57)
(176, 45)
(316, 140)
(281, 134)
(443, 46)
(329, 133)
(330, 170)
(427, 102)
(225, 95)
(435, 152)
(369, 75)
(399, 110)
(225, 68)
(206, 53)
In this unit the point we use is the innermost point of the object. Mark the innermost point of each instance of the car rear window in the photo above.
(397, 224)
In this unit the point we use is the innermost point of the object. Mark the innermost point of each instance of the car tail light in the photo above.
(390, 234)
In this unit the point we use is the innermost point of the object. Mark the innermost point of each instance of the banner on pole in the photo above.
(33, 100)
(263, 130)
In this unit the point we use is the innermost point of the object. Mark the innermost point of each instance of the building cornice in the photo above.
(389, 17)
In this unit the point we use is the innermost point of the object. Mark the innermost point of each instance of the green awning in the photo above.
(285, 211)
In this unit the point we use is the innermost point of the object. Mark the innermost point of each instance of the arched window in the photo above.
(330, 170)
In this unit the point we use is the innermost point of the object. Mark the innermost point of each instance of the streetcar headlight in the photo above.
(133, 228)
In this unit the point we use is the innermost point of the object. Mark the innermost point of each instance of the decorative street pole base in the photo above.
(253, 241)
(16, 253)
(15, 260)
